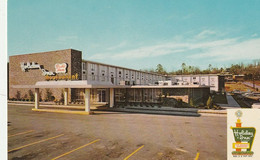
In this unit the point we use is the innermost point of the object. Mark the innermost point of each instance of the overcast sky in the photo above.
(139, 34)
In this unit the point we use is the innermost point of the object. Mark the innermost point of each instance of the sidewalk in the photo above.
(232, 103)
(148, 110)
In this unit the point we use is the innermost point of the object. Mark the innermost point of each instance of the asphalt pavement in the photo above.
(113, 135)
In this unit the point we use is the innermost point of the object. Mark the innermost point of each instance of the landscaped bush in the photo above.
(49, 96)
(31, 95)
(18, 95)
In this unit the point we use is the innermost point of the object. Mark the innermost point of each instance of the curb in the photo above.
(63, 111)
(192, 114)
(168, 111)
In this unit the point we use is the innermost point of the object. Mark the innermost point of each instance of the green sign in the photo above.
(244, 134)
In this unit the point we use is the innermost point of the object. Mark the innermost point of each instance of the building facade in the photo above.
(129, 86)
(215, 81)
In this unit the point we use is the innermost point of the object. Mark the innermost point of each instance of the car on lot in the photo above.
(235, 91)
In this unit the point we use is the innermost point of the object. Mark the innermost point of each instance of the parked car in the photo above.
(236, 91)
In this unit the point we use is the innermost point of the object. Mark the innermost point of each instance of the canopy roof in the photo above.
(70, 84)
(87, 84)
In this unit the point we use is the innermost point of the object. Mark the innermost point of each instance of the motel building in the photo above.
(63, 75)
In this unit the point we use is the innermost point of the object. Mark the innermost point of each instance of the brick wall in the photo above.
(48, 60)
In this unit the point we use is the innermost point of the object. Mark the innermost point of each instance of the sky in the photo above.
(139, 34)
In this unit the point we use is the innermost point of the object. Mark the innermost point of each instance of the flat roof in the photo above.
(195, 75)
(69, 84)
(44, 52)
(171, 86)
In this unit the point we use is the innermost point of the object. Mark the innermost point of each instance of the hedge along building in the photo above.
(63, 73)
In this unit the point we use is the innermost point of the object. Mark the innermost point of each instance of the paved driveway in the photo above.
(110, 135)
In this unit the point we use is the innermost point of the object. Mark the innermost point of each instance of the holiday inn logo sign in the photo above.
(59, 74)
(244, 138)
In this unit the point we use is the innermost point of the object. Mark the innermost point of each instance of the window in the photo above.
(93, 76)
(92, 66)
(83, 66)
(119, 74)
(103, 75)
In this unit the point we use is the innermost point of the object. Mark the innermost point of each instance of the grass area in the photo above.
(221, 99)
(230, 86)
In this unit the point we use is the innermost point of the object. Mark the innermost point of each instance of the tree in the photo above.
(160, 69)
(183, 67)
(210, 67)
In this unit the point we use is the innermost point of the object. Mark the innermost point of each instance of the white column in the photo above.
(36, 98)
(87, 99)
(65, 96)
(111, 100)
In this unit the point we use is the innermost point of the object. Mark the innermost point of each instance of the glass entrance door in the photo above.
(101, 95)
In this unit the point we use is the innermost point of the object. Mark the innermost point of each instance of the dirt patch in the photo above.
(28, 156)
(170, 155)
(229, 87)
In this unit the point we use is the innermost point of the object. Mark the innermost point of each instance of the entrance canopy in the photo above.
(71, 84)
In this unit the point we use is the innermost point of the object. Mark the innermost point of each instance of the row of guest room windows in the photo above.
(92, 69)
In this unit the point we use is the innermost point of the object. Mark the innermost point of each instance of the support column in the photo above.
(87, 99)
(65, 96)
(111, 100)
(36, 98)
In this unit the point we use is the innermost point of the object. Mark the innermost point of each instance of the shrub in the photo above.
(209, 102)
(31, 95)
(62, 97)
(40, 96)
(18, 95)
(48, 95)
(191, 102)
(179, 102)
(25, 96)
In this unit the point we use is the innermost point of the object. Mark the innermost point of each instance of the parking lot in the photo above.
(112, 135)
